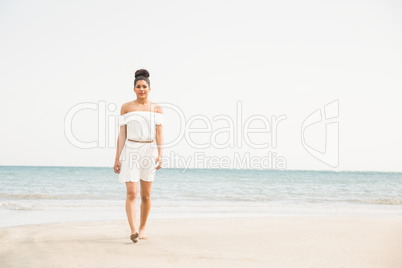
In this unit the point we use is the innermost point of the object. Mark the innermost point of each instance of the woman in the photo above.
(141, 123)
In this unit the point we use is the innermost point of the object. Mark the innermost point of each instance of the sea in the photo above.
(40, 194)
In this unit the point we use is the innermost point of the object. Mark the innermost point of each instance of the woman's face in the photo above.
(142, 89)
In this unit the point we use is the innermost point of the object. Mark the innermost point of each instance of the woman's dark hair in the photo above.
(142, 74)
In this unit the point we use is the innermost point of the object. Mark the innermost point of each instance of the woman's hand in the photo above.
(158, 159)
(117, 167)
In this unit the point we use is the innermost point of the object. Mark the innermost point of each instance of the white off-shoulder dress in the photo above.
(138, 158)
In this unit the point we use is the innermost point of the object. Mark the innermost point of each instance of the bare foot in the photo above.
(142, 234)
(134, 237)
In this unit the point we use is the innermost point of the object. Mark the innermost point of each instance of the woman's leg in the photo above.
(130, 205)
(145, 206)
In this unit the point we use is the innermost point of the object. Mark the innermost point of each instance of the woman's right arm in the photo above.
(121, 140)
(120, 143)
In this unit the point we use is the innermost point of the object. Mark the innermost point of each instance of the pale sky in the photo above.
(276, 58)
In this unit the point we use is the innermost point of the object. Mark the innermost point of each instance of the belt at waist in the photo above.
(140, 141)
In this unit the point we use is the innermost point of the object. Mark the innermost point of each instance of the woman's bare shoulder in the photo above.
(124, 108)
(156, 108)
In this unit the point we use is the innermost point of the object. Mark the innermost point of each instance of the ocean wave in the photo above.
(28, 196)
(384, 201)
(52, 196)
(17, 206)
(69, 205)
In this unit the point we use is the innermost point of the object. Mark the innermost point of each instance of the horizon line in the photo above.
(324, 170)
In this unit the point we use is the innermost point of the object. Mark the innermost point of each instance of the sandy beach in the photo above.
(216, 242)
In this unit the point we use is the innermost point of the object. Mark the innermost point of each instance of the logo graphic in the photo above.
(311, 130)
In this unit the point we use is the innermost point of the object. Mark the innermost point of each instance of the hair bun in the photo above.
(142, 72)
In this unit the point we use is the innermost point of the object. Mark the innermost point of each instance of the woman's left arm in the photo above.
(159, 142)
(159, 139)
